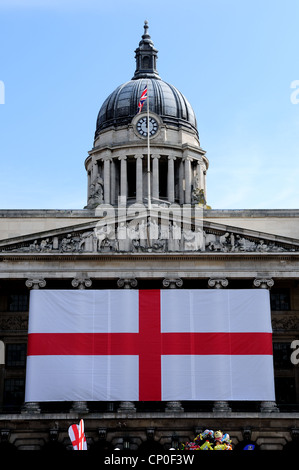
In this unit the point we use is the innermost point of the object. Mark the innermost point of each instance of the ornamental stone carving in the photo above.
(127, 283)
(263, 283)
(150, 234)
(14, 322)
(81, 283)
(285, 322)
(172, 283)
(35, 283)
(218, 283)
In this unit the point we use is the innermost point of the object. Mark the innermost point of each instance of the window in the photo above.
(285, 390)
(18, 303)
(14, 392)
(15, 355)
(280, 299)
(282, 356)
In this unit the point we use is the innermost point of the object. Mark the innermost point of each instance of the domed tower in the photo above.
(168, 165)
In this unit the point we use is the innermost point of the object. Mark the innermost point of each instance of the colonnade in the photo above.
(173, 178)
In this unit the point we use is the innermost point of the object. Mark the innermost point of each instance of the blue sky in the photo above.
(234, 60)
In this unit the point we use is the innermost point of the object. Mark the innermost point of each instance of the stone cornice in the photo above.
(123, 146)
(207, 213)
(286, 256)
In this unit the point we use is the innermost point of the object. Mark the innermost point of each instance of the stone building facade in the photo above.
(146, 224)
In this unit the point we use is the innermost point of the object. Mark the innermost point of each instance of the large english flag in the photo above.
(149, 345)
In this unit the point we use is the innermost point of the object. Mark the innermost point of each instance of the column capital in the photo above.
(35, 283)
(81, 282)
(106, 156)
(127, 283)
(155, 155)
(172, 283)
(263, 283)
(122, 157)
(171, 157)
(201, 164)
(138, 155)
(218, 283)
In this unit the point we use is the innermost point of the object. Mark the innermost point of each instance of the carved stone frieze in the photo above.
(13, 321)
(285, 322)
(149, 235)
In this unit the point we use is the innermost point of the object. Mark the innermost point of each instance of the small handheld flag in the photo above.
(77, 436)
(143, 97)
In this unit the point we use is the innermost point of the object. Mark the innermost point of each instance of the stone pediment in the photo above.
(148, 235)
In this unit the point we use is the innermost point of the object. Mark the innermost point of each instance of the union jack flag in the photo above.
(143, 97)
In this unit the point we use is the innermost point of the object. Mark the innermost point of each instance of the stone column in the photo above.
(187, 161)
(112, 182)
(126, 406)
(173, 283)
(219, 283)
(181, 182)
(155, 183)
(170, 179)
(80, 283)
(88, 184)
(200, 175)
(107, 161)
(139, 179)
(205, 182)
(94, 170)
(266, 283)
(32, 406)
(123, 177)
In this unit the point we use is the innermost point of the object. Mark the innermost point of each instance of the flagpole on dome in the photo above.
(148, 154)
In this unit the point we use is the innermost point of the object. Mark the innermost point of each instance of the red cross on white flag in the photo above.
(77, 436)
(149, 345)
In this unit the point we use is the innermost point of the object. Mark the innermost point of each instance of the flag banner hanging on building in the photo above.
(149, 345)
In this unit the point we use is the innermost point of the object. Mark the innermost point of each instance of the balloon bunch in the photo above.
(209, 440)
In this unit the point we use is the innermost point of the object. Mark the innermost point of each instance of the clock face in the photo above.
(142, 126)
